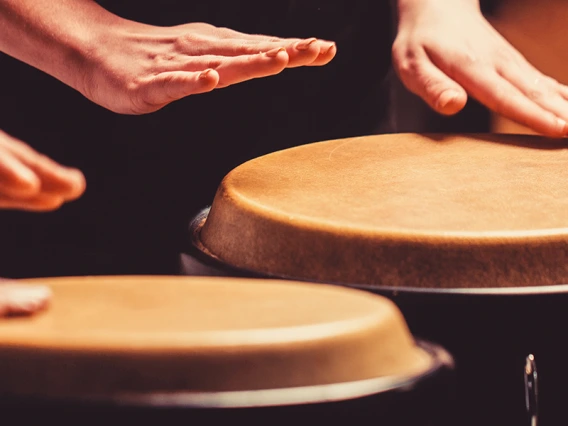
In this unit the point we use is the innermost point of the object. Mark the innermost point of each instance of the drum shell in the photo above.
(426, 401)
(490, 336)
(488, 332)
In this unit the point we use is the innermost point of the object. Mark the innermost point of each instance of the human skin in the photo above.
(133, 68)
(31, 181)
(19, 299)
(445, 50)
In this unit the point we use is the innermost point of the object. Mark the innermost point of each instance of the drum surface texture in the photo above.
(407, 210)
(210, 346)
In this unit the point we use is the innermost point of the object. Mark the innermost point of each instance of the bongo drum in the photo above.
(161, 350)
(467, 233)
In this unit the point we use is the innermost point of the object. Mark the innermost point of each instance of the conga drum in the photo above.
(537, 29)
(187, 350)
(468, 234)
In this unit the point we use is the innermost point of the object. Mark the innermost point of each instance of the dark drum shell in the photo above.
(387, 401)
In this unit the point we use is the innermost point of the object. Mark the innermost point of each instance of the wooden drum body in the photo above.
(467, 234)
(166, 350)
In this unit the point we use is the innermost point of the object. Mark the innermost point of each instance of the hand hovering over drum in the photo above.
(31, 181)
(447, 49)
(133, 68)
(22, 299)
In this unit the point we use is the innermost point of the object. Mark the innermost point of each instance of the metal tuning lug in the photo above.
(531, 389)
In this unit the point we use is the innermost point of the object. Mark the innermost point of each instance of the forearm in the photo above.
(57, 37)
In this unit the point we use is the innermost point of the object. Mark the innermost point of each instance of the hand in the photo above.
(445, 50)
(22, 299)
(31, 181)
(140, 68)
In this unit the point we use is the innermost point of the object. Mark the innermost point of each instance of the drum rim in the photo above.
(318, 394)
(198, 250)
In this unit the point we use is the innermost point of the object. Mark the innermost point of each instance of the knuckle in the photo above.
(505, 56)
(535, 95)
(401, 51)
(432, 86)
(213, 63)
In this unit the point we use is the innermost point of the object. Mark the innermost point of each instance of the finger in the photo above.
(327, 53)
(64, 182)
(326, 50)
(542, 90)
(237, 69)
(171, 86)
(563, 90)
(53, 178)
(424, 79)
(38, 203)
(488, 87)
(505, 99)
(21, 299)
(300, 52)
(16, 179)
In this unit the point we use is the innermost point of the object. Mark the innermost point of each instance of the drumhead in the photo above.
(405, 210)
(209, 341)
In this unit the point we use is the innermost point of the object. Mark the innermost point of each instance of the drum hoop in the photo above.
(200, 252)
(318, 394)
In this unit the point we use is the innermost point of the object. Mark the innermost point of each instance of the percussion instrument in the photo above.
(171, 349)
(466, 233)
(537, 30)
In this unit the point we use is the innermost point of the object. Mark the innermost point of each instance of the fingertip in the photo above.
(279, 56)
(209, 79)
(559, 128)
(77, 183)
(326, 54)
(450, 102)
(51, 203)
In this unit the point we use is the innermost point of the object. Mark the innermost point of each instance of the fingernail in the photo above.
(445, 99)
(274, 52)
(329, 49)
(305, 44)
(563, 126)
(205, 73)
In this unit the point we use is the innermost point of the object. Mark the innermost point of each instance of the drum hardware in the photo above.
(531, 389)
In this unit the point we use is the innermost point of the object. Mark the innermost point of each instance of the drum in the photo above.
(166, 350)
(468, 234)
(536, 29)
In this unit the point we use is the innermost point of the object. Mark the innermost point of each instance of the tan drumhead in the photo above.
(399, 210)
(135, 335)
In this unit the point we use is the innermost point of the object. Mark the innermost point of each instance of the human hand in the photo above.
(445, 50)
(22, 299)
(31, 181)
(140, 68)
